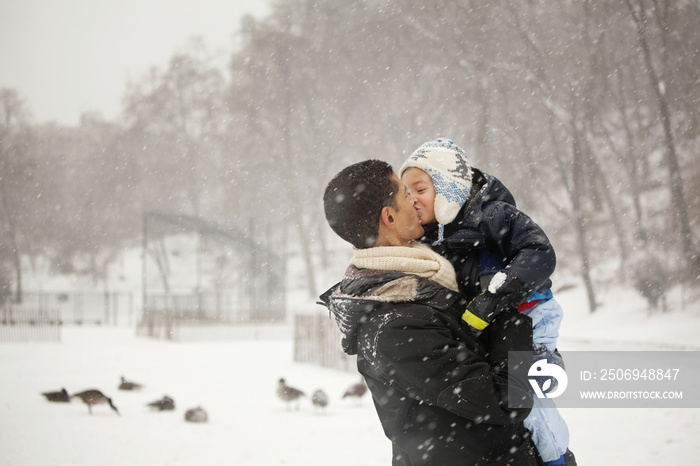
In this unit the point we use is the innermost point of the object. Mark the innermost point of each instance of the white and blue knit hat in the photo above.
(449, 169)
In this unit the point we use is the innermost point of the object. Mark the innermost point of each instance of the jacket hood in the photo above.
(485, 188)
(491, 188)
(363, 292)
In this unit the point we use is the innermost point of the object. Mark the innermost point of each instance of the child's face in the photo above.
(420, 185)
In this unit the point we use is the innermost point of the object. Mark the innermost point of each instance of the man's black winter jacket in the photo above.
(440, 393)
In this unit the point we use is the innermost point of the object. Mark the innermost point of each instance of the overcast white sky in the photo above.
(65, 57)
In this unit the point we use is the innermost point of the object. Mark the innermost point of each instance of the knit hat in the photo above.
(449, 169)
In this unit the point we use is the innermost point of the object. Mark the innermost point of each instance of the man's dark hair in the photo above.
(354, 199)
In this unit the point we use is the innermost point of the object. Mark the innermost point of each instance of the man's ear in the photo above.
(386, 217)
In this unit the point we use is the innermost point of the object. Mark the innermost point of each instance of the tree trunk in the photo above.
(676, 181)
(11, 235)
(160, 257)
(290, 181)
(594, 43)
(630, 158)
(579, 217)
(296, 217)
(482, 152)
(615, 210)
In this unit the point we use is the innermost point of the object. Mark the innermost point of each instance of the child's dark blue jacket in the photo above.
(490, 225)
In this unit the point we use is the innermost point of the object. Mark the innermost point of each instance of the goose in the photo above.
(288, 394)
(196, 415)
(319, 399)
(57, 397)
(125, 385)
(356, 390)
(164, 404)
(95, 397)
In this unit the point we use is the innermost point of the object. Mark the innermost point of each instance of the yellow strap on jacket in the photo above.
(473, 320)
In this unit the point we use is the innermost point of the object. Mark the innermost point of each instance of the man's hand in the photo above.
(504, 293)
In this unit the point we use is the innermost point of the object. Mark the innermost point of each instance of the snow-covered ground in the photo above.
(235, 383)
(631, 436)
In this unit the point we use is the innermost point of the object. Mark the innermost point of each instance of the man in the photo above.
(441, 393)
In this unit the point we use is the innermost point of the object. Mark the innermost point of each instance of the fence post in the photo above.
(106, 303)
(317, 340)
(115, 308)
(130, 320)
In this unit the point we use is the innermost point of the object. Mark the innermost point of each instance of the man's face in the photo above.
(421, 188)
(408, 226)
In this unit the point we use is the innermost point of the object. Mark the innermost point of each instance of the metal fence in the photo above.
(97, 308)
(208, 316)
(20, 325)
(317, 341)
(221, 306)
(169, 326)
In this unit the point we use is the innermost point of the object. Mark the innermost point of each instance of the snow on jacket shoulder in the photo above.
(441, 394)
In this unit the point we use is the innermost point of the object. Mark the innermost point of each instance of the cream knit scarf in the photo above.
(418, 259)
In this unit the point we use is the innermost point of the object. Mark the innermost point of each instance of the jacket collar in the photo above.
(363, 292)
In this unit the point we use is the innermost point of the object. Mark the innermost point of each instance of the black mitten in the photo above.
(504, 292)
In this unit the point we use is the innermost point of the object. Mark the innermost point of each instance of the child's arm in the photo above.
(530, 256)
(531, 260)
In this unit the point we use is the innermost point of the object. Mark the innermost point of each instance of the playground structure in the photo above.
(232, 279)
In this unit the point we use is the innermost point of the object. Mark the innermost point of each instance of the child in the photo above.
(500, 255)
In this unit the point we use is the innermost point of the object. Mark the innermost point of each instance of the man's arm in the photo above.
(421, 358)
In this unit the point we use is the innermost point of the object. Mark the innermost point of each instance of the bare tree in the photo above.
(178, 117)
(548, 96)
(638, 11)
(16, 179)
